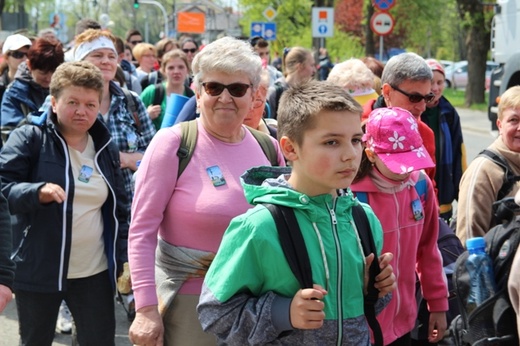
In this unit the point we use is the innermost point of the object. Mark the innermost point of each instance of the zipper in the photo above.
(340, 269)
(19, 248)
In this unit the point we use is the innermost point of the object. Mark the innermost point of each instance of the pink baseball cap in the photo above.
(393, 134)
(435, 66)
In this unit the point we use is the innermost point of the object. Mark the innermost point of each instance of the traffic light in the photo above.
(136, 4)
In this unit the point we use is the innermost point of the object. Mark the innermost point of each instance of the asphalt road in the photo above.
(476, 128)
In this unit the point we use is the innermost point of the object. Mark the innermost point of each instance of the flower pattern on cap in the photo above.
(393, 134)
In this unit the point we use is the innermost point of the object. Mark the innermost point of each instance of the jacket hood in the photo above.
(268, 184)
(23, 73)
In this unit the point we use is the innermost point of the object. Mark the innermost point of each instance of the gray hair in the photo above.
(406, 66)
(352, 74)
(228, 55)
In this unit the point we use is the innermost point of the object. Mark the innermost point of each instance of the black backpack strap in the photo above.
(367, 242)
(158, 95)
(188, 143)
(266, 144)
(509, 177)
(132, 107)
(292, 242)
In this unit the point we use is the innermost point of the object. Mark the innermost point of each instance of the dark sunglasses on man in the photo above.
(416, 98)
(234, 89)
(135, 42)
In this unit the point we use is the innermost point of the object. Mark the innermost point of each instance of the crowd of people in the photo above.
(93, 181)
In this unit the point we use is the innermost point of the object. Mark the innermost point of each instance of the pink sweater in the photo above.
(189, 212)
(414, 245)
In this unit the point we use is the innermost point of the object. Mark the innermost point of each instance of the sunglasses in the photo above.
(135, 42)
(416, 98)
(235, 89)
(17, 54)
(189, 50)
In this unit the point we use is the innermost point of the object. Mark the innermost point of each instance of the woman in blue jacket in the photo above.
(65, 193)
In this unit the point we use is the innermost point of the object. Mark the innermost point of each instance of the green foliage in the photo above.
(458, 99)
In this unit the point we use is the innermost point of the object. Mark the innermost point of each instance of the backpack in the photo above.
(158, 94)
(189, 141)
(450, 249)
(132, 107)
(509, 176)
(295, 251)
(494, 321)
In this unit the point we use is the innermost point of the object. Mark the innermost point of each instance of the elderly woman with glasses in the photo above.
(184, 216)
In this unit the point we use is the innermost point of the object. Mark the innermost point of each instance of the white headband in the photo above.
(85, 48)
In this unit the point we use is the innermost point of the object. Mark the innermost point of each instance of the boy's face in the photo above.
(329, 156)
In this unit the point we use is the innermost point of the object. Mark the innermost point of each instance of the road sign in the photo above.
(382, 23)
(264, 29)
(322, 21)
(191, 22)
(383, 5)
(269, 13)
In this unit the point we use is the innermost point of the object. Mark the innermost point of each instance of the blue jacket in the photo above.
(33, 156)
(450, 151)
(21, 97)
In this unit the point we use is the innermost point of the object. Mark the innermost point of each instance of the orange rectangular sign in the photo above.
(191, 22)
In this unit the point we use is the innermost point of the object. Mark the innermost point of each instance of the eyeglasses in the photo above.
(189, 50)
(416, 98)
(17, 54)
(135, 42)
(235, 89)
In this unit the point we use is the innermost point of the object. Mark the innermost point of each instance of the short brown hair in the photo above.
(174, 54)
(45, 55)
(301, 104)
(81, 74)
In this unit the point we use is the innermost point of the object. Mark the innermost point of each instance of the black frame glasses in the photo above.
(17, 54)
(234, 89)
(416, 98)
(189, 50)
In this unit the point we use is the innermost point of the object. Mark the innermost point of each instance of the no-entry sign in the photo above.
(382, 23)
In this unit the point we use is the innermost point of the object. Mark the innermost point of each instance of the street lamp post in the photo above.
(165, 15)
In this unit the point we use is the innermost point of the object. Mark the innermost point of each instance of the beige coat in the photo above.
(478, 190)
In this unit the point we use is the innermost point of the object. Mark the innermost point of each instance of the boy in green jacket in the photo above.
(250, 295)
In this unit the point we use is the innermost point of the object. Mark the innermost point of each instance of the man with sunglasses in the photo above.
(15, 52)
(407, 83)
(261, 47)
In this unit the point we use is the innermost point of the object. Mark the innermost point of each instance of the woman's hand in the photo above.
(147, 328)
(51, 193)
(154, 111)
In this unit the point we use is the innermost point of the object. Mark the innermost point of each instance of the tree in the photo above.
(475, 27)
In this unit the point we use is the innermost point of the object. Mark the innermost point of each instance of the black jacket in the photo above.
(6, 264)
(33, 156)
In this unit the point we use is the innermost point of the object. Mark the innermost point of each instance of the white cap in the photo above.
(15, 42)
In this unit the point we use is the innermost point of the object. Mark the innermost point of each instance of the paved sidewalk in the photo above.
(476, 121)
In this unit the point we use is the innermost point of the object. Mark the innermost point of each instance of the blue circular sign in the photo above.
(383, 5)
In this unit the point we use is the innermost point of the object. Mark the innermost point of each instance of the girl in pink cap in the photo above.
(391, 179)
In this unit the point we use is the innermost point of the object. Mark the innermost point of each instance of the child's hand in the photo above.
(385, 281)
(307, 308)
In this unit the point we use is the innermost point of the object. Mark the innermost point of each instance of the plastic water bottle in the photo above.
(134, 176)
(480, 270)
